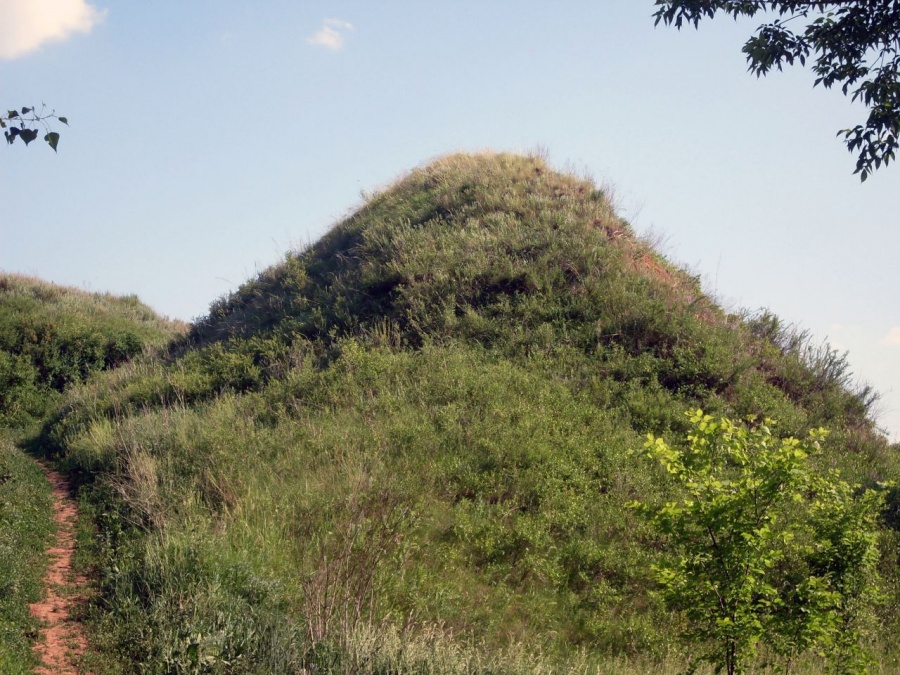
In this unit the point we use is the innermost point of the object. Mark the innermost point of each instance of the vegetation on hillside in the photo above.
(410, 447)
(51, 338)
(26, 524)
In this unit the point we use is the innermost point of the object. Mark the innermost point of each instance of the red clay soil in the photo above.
(62, 639)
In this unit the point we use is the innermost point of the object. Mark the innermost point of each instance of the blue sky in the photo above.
(209, 137)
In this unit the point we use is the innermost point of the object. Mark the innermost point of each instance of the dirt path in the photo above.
(62, 639)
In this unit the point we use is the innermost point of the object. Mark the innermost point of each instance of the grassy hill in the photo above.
(410, 446)
(51, 339)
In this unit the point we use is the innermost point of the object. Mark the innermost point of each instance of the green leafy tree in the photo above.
(764, 547)
(27, 122)
(854, 44)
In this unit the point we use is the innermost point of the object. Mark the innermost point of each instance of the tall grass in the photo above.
(51, 339)
(407, 448)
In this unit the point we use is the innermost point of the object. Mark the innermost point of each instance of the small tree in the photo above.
(765, 547)
(23, 124)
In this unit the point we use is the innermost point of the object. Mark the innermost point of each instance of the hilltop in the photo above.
(410, 446)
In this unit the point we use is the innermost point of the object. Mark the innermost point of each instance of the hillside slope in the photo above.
(410, 446)
(51, 339)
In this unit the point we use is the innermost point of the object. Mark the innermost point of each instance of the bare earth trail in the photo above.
(62, 639)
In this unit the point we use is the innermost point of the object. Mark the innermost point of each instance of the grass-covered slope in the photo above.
(52, 337)
(26, 523)
(410, 446)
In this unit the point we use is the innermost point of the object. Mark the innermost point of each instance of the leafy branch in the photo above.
(852, 43)
(27, 122)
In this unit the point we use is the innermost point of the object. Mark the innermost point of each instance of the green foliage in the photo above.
(767, 549)
(407, 446)
(496, 471)
(52, 337)
(27, 118)
(855, 44)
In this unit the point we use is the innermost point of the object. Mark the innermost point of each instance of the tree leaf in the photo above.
(28, 135)
(53, 139)
(64, 121)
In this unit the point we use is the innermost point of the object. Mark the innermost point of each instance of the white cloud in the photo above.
(25, 25)
(331, 34)
(892, 339)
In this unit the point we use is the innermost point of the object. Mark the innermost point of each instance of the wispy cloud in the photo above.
(26, 26)
(331, 34)
(892, 339)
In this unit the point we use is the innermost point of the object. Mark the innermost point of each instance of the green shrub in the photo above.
(766, 549)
